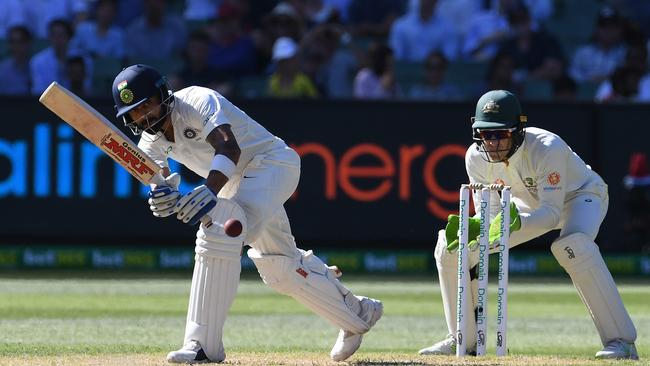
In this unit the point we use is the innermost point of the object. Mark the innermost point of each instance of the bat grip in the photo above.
(206, 221)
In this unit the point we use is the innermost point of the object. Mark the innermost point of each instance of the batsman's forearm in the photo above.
(215, 181)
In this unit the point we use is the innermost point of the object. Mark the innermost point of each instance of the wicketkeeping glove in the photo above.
(495, 226)
(163, 199)
(451, 231)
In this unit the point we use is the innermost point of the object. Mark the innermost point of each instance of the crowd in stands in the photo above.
(430, 50)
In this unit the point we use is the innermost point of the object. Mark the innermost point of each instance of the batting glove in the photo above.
(163, 199)
(196, 204)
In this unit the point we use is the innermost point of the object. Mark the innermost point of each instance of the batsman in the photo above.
(249, 174)
(552, 188)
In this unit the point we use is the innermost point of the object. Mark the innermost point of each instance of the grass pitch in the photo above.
(136, 321)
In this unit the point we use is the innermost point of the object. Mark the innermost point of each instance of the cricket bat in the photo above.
(101, 132)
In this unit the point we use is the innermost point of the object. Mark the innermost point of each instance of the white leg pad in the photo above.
(210, 240)
(214, 283)
(313, 284)
(447, 264)
(580, 257)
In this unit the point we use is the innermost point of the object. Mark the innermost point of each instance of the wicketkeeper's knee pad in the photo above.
(213, 240)
(582, 260)
(312, 283)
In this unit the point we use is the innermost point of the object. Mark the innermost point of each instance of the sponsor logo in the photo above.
(205, 121)
(588, 200)
(554, 178)
(168, 150)
(481, 337)
(190, 133)
(529, 182)
(126, 154)
(491, 107)
(570, 251)
(302, 272)
(126, 95)
(499, 339)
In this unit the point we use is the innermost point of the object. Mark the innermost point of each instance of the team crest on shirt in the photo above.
(190, 133)
(529, 182)
(554, 178)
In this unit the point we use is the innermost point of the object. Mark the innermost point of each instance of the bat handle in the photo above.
(206, 221)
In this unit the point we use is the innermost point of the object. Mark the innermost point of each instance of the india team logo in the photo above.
(554, 178)
(189, 133)
(126, 95)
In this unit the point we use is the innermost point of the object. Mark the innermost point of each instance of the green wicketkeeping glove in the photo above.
(451, 231)
(495, 226)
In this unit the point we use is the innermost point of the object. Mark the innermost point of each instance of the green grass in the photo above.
(137, 320)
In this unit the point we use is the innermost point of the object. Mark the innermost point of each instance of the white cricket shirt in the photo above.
(544, 173)
(197, 111)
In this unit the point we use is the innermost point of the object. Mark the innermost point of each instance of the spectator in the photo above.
(288, 81)
(421, 31)
(374, 18)
(41, 13)
(12, 13)
(196, 68)
(232, 51)
(283, 21)
(128, 11)
(15, 78)
(565, 89)
(501, 75)
(50, 64)
(435, 88)
(319, 12)
(631, 72)
(76, 77)
(100, 37)
(155, 34)
(597, 60)
(377, 80)
(537, 54)
(486, 30)
(328, 60)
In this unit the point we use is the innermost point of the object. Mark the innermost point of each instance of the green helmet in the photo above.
(498, 110)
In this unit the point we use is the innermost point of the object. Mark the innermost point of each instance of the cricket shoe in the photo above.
(190, 353)
(618, 349)
(445, 347)
(347, 342)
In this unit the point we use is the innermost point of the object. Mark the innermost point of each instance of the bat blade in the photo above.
(101, 132)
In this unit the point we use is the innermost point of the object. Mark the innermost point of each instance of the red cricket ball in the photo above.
(233, 228)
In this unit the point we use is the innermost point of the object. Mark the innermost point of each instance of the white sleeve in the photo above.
(153, 150)
(552, 173)
(208, 110)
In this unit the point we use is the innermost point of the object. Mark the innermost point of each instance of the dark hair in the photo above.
(436, 54)
(199, 35)
(63, 23)
(20, 29)
(378, 54)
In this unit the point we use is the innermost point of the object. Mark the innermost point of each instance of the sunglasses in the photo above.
(495, 134)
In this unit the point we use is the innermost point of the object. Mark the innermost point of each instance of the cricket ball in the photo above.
(233, 228)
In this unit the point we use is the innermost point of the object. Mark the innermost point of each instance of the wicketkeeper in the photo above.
(253, 173)
(552, 188)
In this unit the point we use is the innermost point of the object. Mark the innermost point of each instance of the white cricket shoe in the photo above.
(190, 353)
(617, 349)
(347, 342)
(446, 347)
